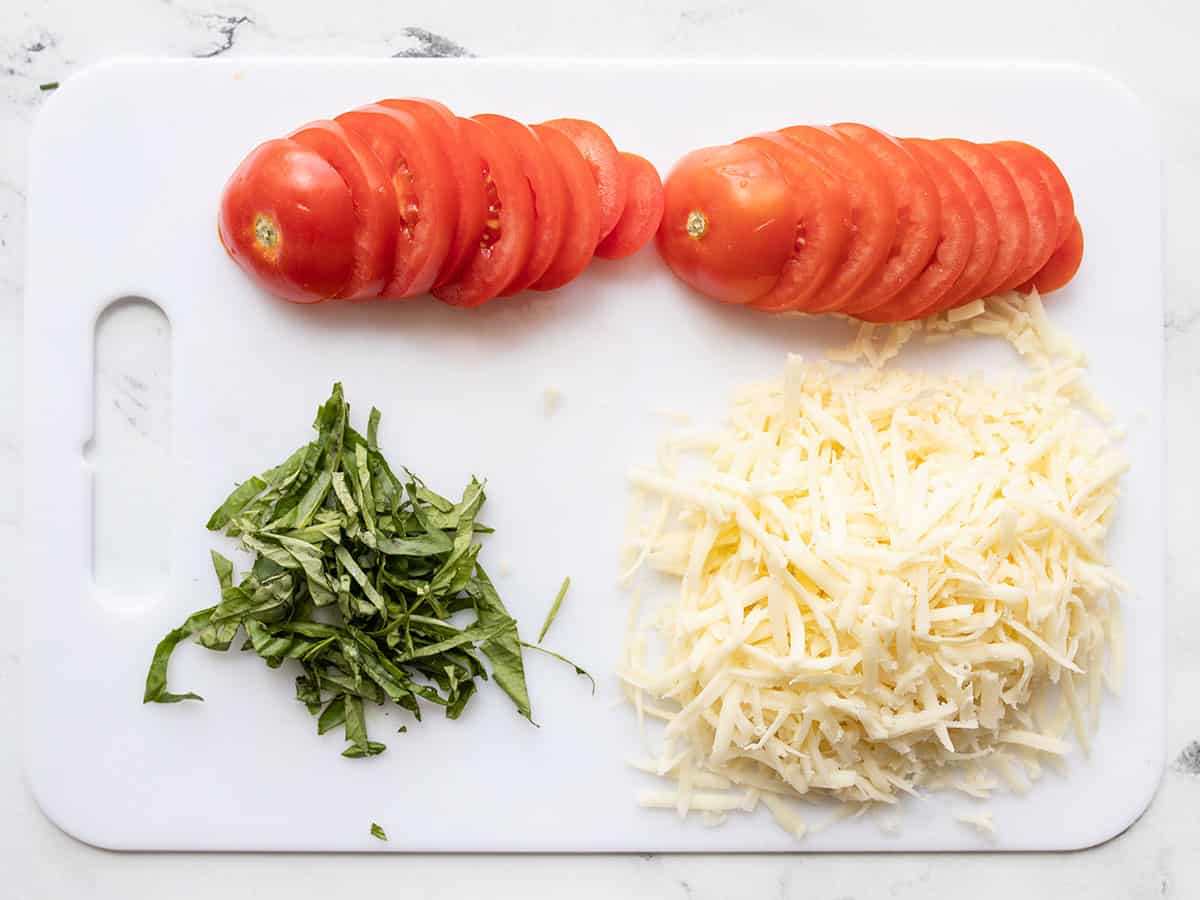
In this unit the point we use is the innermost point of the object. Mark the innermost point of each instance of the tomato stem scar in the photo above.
(697, 225)
(265, 231)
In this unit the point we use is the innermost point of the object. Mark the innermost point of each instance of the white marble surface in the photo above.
(1152, 46)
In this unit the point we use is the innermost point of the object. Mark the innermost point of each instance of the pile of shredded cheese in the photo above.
(877, 581)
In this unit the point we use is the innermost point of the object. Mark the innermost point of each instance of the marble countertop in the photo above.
(1150, 46)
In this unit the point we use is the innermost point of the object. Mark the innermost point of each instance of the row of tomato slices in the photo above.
(849, 219)
(402, 198)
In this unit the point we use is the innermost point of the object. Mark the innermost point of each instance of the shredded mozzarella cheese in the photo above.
(981, 822)
(884, 580)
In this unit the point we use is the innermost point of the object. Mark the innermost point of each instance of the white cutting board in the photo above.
(128, 160)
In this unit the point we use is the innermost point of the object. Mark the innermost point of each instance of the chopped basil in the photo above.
(368, 580)
(550, 616)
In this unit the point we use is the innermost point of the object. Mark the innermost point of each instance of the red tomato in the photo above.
(642, 213)
(426, 197)
(375, 209)
(822, 231)
(1039, 207)
(1011, 219)
(503, 248)
(583, 203)
(601, 153)
(983, 247)
(872, 214)
(1061, 266)
(955, 240)
(466, 167)
(1039, 210)
(917, 217)
(549, 197)
(1055, 183)
(729, 222)
(287, 218)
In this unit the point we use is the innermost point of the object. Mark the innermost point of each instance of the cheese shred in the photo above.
(879, 581)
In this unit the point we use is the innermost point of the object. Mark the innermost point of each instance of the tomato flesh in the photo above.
(729, 222)
(426, 200)
(642, 213)
(287, 219)
(507, 237)
(1054, 182)
(1061, 266)
(1012, 221)
(1039, 209)
(823, 227)
(465, 166)
(917, 217)
(579, 232)
(956, 239)
(986, 231)
(549, 197)
(602, 155)
(872, 214)
(374, 198)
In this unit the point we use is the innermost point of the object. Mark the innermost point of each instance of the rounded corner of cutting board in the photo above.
(1121, 92)
(1134, 805)
(75, 90)
(64, 816)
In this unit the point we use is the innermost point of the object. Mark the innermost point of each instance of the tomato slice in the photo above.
(1039, 208)
(872, 214)
(583, 203)
(507, 238)
(955, 240)
(1055, 183)
(1011, 218)
(549, 197)
(823, 228)
(601, 153)
(465, 165)
(375, 207)
(642, 213)
(729, 222)
(287, 219)
(986, 232)
(917, 217)
(1061, 266)
(426, 197)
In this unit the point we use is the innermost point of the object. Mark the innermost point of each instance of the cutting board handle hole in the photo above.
(129, 454)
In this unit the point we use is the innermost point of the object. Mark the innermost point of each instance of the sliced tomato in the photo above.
(1055, 183)
(823, 228)
(583, 203)
(956, 236)
(1011, 218)
(917, 217)
(872, 214)
(287, 218)
(466, 167)
(426, 196)
(986, 232)
(507, 238)
(601, 153)
(1039, 209)
(1061, 266)
(642, 213)
(550, 209)
(729, 222)
(375, 209)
